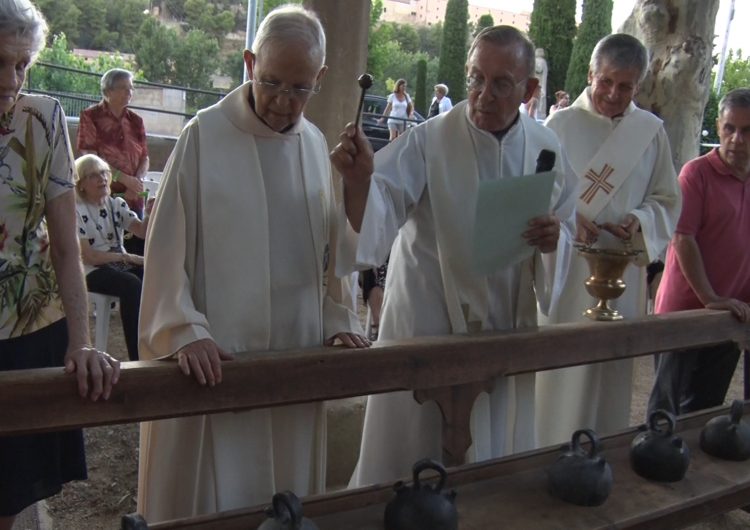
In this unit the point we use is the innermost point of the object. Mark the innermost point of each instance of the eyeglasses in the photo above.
(500, 89)
(273, 89)
(101, 174)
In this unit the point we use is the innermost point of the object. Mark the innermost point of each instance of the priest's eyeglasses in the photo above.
(502, 88)
(273, 89)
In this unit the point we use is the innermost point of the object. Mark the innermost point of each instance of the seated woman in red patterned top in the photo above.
(116, 134)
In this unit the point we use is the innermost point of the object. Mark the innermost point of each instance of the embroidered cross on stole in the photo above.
(613, 163)
(598, 182)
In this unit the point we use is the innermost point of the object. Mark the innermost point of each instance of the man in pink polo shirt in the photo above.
(708, 261)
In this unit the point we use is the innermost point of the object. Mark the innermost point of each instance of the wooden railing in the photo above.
(46, 399)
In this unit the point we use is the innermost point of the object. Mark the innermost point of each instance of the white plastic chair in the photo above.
(102, 304)
(151, 187)
(153, 176)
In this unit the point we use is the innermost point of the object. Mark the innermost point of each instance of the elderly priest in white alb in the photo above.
(236, 256)
(423, 193)
(627, 192)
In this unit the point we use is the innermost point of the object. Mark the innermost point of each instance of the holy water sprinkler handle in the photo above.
(365, 82)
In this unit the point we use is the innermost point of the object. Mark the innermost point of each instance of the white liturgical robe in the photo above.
(237, 250)
(423, 195)
(598, 396)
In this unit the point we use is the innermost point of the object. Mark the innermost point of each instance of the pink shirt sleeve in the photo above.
(693, 193)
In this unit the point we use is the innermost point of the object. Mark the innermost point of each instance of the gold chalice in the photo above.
(607, 266)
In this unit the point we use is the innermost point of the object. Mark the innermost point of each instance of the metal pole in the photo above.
(723, 59)
(249, 30)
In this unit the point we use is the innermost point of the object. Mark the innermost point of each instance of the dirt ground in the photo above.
(112, 454)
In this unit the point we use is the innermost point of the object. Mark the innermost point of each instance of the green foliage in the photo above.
(710, 113)
(420, 88)
(453, 48)
(95, 24)
(736, 72)
(187, 60)
(376, 10)
(553, 27)
(176, 8)
(736, 75)
(234, 67)
(485, 21)
(595, 24)
(430, 38)
(204, 16)
(155, 49)
(62, 16)
(55, 80)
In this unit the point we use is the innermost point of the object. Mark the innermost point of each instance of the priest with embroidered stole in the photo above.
(237, 251)
(628, 197)
(424, 197)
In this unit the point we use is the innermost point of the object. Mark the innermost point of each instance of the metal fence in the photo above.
(74, 102)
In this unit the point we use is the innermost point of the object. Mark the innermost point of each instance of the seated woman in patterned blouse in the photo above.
(102, 221)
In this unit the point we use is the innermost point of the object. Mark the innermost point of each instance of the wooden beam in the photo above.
(46, 399)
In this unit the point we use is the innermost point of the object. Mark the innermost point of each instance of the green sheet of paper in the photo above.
(504, 208)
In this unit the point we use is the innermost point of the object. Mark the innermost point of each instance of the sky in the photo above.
(623, 8)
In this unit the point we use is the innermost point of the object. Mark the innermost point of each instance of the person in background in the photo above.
(102, 221)
(441, 102)
(43, 315)
(708, 262)
(243, 225)
(532, 105)
(417, 192)
(398, 110)
(562, 100)
(116, 134)
(628, 198)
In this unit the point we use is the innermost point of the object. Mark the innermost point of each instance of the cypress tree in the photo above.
(453, 48)
(553, 27)
(485, 21)
(596, 23)
(420, 96)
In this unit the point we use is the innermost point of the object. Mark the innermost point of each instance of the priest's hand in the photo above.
(203, 359)
(350, 340)
(586, 231)
(626, 230)
(353, 158)
(543, 233)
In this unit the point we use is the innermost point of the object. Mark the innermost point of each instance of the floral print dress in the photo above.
(36, 165)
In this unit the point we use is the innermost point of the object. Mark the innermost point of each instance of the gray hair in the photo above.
(112, 77)
(443, 89)
(292, 23)
(508, 36)
(739, 97)
(22, 19)
(621, 51)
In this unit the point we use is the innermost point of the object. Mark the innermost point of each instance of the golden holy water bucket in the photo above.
(607, 266)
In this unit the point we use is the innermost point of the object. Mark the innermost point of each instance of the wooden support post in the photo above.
(455, 404)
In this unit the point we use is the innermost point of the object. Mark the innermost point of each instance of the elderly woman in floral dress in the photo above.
(43, 316)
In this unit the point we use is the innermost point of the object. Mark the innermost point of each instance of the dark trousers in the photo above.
(695, 379)
(127, 287)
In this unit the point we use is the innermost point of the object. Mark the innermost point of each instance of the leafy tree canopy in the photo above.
(595, 25)
(553, 27)
(485, 21)
(453, 48)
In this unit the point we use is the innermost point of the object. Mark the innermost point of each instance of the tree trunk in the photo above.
(679, 36)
